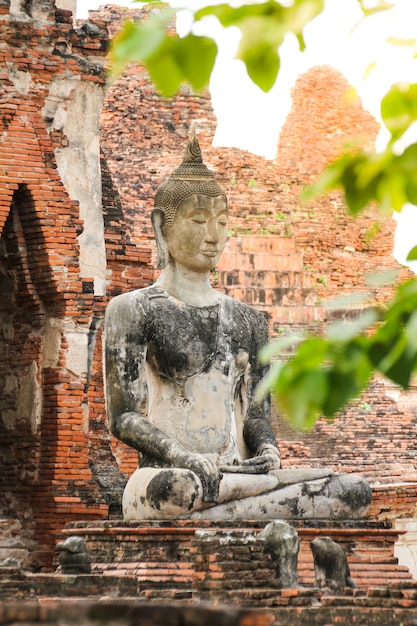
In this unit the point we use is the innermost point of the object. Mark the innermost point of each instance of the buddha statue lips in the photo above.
(206, 449)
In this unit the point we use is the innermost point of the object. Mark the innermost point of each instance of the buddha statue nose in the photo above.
(212, 230)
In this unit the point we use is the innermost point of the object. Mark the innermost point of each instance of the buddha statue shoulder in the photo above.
(182, 368)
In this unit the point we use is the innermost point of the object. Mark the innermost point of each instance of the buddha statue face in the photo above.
(190, 215)
(198, 234)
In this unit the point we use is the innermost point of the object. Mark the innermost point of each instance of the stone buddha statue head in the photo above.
(190, 214)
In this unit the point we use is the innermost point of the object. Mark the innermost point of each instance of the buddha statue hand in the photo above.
(267, 458)
(206, 470)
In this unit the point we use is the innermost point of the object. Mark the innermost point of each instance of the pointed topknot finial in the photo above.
(193, 150)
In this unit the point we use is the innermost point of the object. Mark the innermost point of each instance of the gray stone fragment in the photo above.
(281, 542)
(73, 557)
(330, 565)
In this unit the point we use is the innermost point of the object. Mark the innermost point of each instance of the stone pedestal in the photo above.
(185, 566)
(225, 560)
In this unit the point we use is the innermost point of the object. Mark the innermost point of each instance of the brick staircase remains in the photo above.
(224, 564)
(172, 560)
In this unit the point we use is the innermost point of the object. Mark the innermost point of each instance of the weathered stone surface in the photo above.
(281, 542)
(73, 556)
(330, 565)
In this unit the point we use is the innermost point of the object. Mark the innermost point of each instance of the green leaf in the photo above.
(164, 70)
(347, 301)
(411, 190)
(234, 16)
(393, 349)
(357, 196)
(394, 361)
(381, 278)
(391, 190)
(263, 26)
(398, 41)
(262, 66)
(411, 334)
(278, 346)
(369, 68)
(412, 255)
(399, 108)
(346, 330)
(300, 13)
(258, 49)
(311, 353)
(195, 56)
(137, 42)
(330, 178)
(382, 5)
(268, 382)
(301, 42)
(344, 386)
(302, 397)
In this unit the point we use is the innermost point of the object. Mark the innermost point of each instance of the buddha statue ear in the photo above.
(158, 223)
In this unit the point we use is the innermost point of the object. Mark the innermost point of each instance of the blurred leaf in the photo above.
(411, 334)
(268, 381)
(411, 191)
(330, 178)
(195, 56)
(258, 47)
(369, 68)
(412, 255)
(232, 16)
(311, 353)
(399, 108)
(347, 382)
(278, 346)
(392, 351)
(263, 26)
(391, 190)
(347, 329)
(379, 279)
(137, 42)
(164, 70)
(171, 60)
(382, 5)
(301, 42)
(347, 301)
(398, 41)
(302, 397)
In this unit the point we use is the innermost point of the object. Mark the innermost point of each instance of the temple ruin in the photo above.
(79, 165)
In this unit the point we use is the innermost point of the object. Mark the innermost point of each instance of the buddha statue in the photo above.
(182, 367)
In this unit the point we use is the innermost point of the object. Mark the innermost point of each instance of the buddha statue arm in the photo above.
(125, 357)
(257, 431)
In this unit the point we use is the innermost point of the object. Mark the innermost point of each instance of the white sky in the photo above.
(250, 119)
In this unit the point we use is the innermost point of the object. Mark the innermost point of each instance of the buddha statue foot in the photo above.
(346, 496)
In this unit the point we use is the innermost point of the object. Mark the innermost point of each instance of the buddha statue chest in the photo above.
(194, 372)
(182, 340)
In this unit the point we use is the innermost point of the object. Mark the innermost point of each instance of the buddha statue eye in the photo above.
(199, 218)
